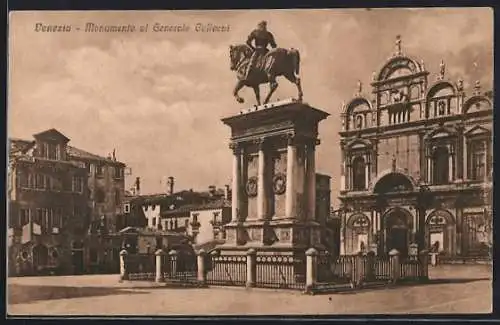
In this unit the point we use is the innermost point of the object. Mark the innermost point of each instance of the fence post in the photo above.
(357, 269)
(370, 267)
(424, 265)
(413, 251)
(123, 265)
(395, 265)
(173, 262)
(159, 267)
(200, 261)
(434, 259)
(311, 268)
(251, 267)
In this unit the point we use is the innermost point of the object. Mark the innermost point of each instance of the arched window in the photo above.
(441, 108)
(440, 165)
(477, 158)
(358, 174)
(359, 122)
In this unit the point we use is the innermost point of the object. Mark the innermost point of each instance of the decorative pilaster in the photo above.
(261, 181)
(342, 167)
(459, 157)
(348, 174)
(367, 169)
(235, 195)
(429, 169)
(422, 156)
(290, 205)
(450, 163)
(311, 179)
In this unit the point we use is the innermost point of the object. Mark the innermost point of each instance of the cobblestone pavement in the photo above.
(462, 289)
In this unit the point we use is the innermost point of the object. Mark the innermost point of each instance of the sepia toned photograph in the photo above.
(250, 162)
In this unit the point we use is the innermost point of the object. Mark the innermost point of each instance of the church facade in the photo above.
(416, 163)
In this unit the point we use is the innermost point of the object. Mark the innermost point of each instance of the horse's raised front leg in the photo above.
(256, 89)
(237, 88)
(272, 88)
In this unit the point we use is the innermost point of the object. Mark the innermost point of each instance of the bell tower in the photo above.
(274, 178)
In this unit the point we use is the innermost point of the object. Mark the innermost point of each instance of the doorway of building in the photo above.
(397, 238)
(396, 233)
(40, 258)
(77, 257)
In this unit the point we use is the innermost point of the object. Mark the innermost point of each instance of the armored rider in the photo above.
(262, 38)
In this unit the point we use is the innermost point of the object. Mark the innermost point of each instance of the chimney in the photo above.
(211, 190)
(227, 192)
(170, 185)
(138, 186)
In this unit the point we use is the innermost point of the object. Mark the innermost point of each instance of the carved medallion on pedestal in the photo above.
(251, 187)
(285, 235)
(279, 183)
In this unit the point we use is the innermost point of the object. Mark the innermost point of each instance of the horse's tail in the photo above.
(296, 61)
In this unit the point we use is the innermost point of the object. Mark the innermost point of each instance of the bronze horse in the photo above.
(275, 63)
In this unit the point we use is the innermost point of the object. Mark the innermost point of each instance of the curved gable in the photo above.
(389, 181)
(477, 103)
(398, 66)
(357, 104)
(358, 144)
(441, 89)
(440, 132)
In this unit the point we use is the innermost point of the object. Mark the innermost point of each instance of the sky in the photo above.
(157, 98)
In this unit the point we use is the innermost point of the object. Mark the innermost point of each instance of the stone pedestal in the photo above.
(274, 175)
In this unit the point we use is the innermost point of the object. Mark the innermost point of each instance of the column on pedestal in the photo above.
(465, 159)
(460, 154)
(450, 164)
(290, 178)
(342, 169)
(429, 170)
(367, 170)
(311, 179)
(236, 186)
(261, 182)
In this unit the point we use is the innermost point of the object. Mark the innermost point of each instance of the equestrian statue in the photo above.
(255, 64)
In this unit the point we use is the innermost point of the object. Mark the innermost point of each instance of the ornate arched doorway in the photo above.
(440, 232)
(396, 231)
(77, 256)
(357, 234)
(40, 257)
(396, 223)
